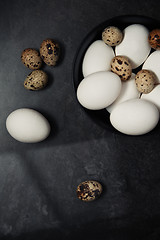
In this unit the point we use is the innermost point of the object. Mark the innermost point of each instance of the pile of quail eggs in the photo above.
(33, 59)
(122, 74)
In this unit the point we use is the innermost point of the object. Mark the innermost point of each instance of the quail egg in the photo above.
(122, 67)
(154, 39)
(89, 190)
(112, 36)
(36, 80)
(31, 58)
(49, 51)
(145, 81)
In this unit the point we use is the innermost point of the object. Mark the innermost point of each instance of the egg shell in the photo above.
(135, 117)
(145, 81)
(89, 190)
(50, 51)
(97, 58)
(27, 125)
(154, 38)
(31, 58)
(153, 96)
(36, 80)
(98, 90)
(135, 44)
(153, 64)
(112, 36)
(122, 67)
(128, 91)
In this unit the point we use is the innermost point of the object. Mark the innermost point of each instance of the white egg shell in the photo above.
(135, 117)
(135, 44)
(153, 64)
(128, 91)
(97, 58)
(27, 125)
(153, 96)
(98, 90)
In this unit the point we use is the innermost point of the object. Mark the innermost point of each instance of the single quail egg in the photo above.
(89, 190)
(145, 81)
(154, 38)
(36, 80)
(49, 51)
(112, 36)
(122, 67)
(31, 58)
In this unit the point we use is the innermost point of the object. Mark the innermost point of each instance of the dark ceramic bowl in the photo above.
(102, 116)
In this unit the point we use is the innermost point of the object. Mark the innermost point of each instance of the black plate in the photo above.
(102, 116)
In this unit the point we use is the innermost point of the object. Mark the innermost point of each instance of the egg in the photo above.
(128, 91)
(89, 190)
(50, 51)
(153, 64)
(154, 38)
(97, 58)
(27, 125)
(145, 81)
(36, 80)
(31, 58)
(122, 67)
(135, 44)
(98, 90)
(153, 96)
(134, 117)
(112, 36)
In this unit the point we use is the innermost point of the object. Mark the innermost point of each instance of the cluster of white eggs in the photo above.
(131, 112)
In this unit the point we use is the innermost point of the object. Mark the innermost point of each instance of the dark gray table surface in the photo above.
(38, 181)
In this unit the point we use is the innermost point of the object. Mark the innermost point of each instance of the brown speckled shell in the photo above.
(31, 58)
(122, 67)
(89, 190)
(154, 38)
(145, 81)
(36, 80)
(112, 36)
(49, 51)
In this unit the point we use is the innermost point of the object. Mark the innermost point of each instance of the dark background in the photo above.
(38, 181)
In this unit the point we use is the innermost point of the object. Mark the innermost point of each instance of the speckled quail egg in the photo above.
(31, 58)
(145, 81)
(89, 190)
(112, 36)
(154, 38)
(36, 80)
(122, 67)
(49, 51)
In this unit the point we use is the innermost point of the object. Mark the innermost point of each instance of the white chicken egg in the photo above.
(27, 125)
(153, 96)
(135, 117)
(97, 58)
(128, 91)
(98, 90)
(153, 64)
(135, 44)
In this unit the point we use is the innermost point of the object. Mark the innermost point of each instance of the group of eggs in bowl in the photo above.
(121, 80)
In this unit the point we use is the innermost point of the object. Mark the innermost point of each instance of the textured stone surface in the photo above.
(38, 181)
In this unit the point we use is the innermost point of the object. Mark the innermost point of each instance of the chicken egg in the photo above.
(135, 117)
(153, 96)
(135, 44)
(153, 64)
(97, 58)
(128, 91)
(27, 125)
(99, 90)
